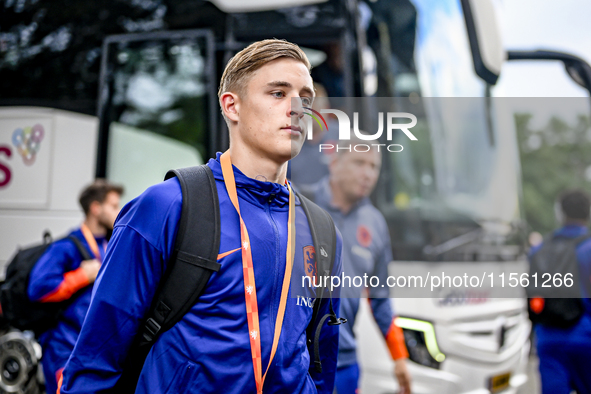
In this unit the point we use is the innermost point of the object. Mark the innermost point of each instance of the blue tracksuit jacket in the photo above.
(47, 283)
(208, 351)
(564, 353)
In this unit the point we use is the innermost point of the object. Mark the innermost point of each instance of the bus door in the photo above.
(157, 106)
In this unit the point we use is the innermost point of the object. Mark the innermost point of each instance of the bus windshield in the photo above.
(455, 193)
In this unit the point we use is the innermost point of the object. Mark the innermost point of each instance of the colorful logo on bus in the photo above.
(315, 117)
(27, 142)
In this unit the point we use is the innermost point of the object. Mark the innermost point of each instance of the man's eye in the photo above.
(306, 101)
(277, 94)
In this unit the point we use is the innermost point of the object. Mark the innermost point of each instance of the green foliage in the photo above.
(553, 159)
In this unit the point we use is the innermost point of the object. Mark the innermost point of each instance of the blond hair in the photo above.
(247, 61)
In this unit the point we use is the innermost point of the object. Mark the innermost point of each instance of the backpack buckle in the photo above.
(151, 329)
(318, 366)
(336, 321)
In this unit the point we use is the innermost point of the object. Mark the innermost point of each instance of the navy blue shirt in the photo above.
(366, 250)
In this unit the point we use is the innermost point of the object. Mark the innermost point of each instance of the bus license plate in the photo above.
(499, 382)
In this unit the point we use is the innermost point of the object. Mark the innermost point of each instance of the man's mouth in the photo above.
(293, 130)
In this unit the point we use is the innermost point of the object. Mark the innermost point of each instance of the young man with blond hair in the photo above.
(213, 348)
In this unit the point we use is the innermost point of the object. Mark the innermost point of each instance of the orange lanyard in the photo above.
(91, 241)
(250, 292)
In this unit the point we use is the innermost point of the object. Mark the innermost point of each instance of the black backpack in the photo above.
(17, 310)
(558, 306)
(195, 259)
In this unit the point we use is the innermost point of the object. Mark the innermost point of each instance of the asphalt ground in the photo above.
(533, 385)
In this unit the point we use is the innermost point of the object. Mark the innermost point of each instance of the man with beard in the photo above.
(62, 274)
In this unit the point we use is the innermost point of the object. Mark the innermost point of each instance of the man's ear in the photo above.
(230, 103)
(95, 208)
(332, 162)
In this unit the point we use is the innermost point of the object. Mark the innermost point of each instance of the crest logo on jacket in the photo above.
(310, 261)
(363, 236)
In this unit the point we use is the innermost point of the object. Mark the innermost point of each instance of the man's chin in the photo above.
(295, 150)
(281, 156)
(108, 225)
(296, 147)
(363, 194)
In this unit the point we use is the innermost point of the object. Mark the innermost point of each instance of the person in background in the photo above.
(61, 274)
(366, 250)
(564, 351)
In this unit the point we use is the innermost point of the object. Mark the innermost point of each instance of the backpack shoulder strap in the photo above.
(193, 261)
(83, 251)
(323, 233)
(195, 255)
(324, 237)
(581, 238)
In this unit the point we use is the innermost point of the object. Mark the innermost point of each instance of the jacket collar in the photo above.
(254, 191)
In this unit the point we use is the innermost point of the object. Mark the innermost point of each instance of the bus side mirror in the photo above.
(580, 72)
(578, 69)
(485, 38)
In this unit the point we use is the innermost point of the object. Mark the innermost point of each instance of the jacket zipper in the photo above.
(274, 304)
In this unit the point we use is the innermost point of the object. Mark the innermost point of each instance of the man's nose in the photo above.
(368, 172)
(297, 109)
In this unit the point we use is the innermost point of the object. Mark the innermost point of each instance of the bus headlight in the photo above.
(419, 336)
